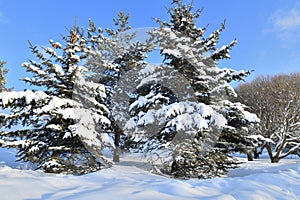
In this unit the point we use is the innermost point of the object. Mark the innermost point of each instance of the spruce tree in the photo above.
(113, 56)
(198, 133)
(59, 125)
(185, 47)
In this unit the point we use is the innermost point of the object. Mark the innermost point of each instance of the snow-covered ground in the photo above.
(129, 180)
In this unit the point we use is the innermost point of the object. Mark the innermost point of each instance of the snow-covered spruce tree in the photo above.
(57, 127)
(192, 128)
(111, 57)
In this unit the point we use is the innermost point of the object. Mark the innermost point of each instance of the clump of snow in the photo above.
(77, 49)
(33, 68)
(184, 115)
(67, 135)
(146, 118)
(53, 127)
(219, 120)
(173, 52)
(261, 138)
(58, 45)
(51, 51)
(58, 69)
(76, 58)
(250, 117)
(8, 97)
(140, 102)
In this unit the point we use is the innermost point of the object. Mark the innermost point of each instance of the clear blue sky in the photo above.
(268, 31)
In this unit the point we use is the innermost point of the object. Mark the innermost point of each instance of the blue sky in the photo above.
(268, 32)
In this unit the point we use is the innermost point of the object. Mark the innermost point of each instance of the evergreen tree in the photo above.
(62, 120)
(185, 47)
(192, 126)
(111, 57)
(3, 71)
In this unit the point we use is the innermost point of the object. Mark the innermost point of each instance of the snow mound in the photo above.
(253, 180)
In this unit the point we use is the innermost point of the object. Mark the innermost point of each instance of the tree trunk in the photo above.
(249, 156)
(116, 156)
(256, 154)
(274, 159)
(269, 150)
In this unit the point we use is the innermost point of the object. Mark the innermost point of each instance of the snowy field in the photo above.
(129, 180)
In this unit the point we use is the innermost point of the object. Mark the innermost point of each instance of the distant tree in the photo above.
(276, 101)
(3, 71)
(190, 124)
(58, 127)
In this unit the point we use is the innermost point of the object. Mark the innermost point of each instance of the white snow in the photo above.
(67, 135)
(51, 51)
(58, 45)
(131, 123)
(76, 49)
(53, 127)
(8, 97)
(219, 120)
(130, 179)
(146, 118)
(188, 121)
(173, 52)
(34, 68)
(250, 117)
(75, 57)
(58, 68)
(56, 102)
(260, 137)
(175, 109)
(139, 103)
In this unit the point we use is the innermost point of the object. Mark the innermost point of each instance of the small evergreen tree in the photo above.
(3, 71)
(62, 121)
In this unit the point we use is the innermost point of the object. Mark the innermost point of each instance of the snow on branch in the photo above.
(28, 95)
